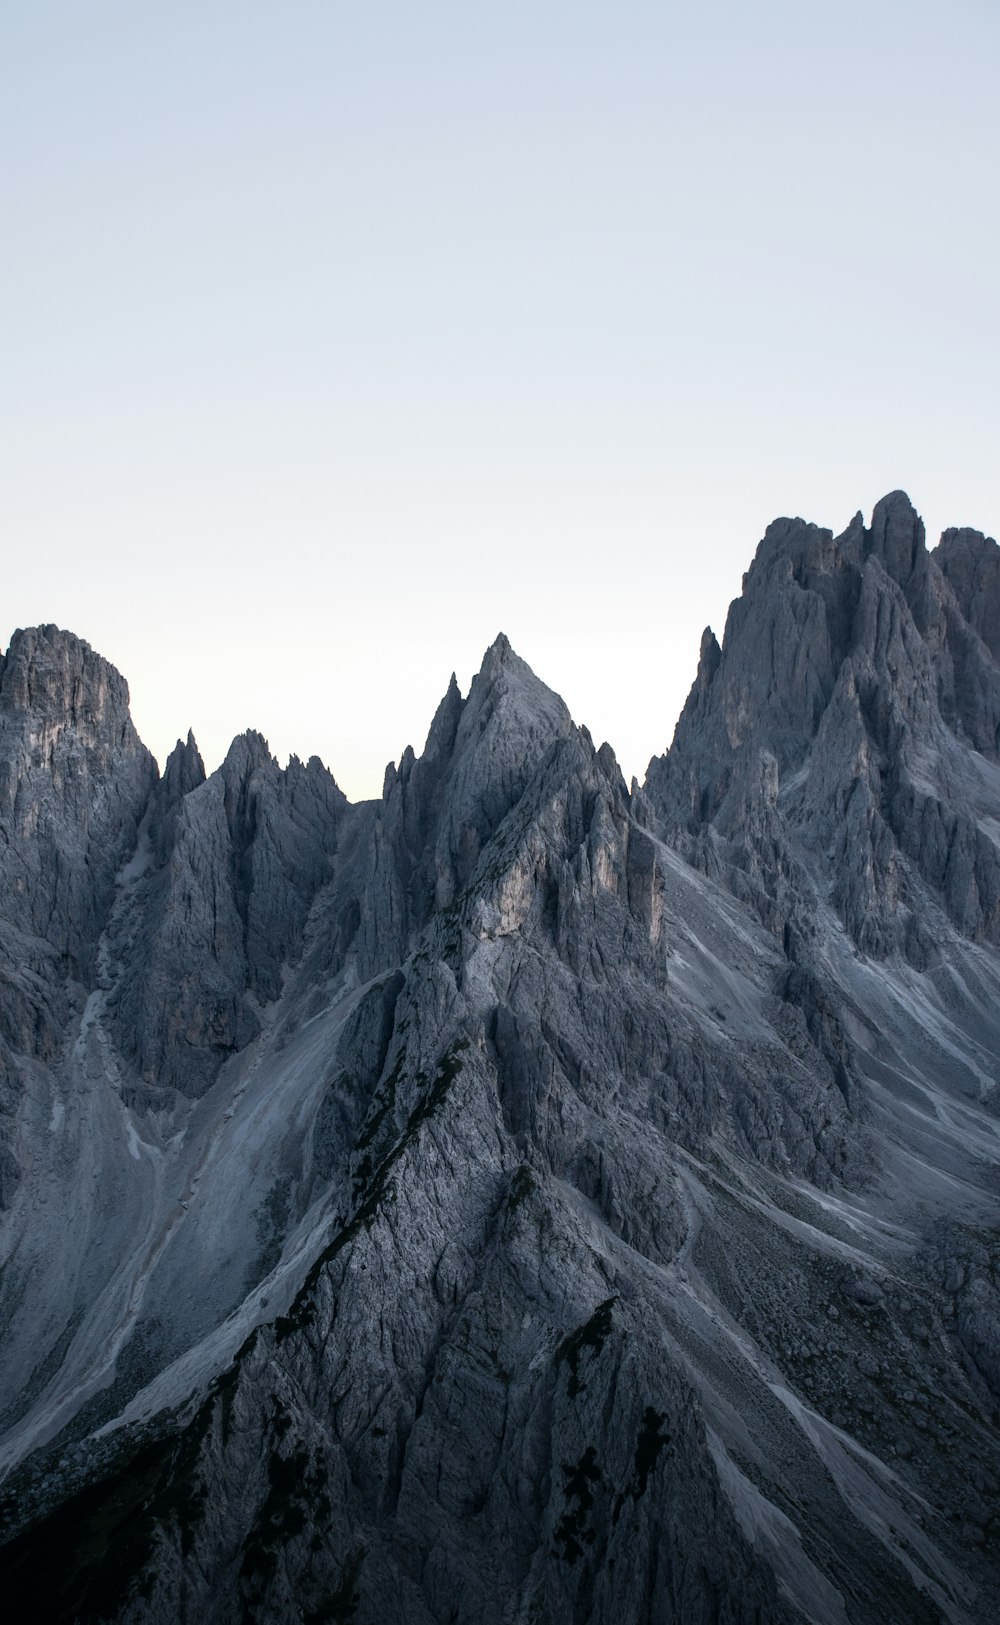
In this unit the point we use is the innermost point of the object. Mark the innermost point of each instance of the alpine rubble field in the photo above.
(525, 1198)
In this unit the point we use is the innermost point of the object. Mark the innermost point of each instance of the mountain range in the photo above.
(524, 1197)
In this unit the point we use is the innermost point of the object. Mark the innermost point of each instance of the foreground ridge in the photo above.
(522, 1196)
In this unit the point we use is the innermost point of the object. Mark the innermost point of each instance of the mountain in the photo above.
(523, 1197)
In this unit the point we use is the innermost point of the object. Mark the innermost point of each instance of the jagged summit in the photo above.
(183, 772)
(248, 752)
(849, 680)
(970, 563)
(499, 649)
(896, 536)
(184, 767)
(53, 676)
(518, 1195)
(74, 782)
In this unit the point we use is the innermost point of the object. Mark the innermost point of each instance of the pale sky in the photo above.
(339, 337)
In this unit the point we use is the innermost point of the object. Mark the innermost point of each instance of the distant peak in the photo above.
(37, 638)
(501, 658)
(184, 769)
(709, 653)
(498, 657)
(441, 737)
(970, 563)
(185, 747)
(785, 540)
(896, 537)
(50, 672)
(248, 751)
(894, 500)
(963, 538)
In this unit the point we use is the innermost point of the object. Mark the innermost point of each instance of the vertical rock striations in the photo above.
(236, 862)
(74, 783)
(826, 744)
(535, 1198)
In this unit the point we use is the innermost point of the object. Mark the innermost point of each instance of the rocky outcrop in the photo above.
(184, 772)
(850, 682)
(202, 949)
(414, 852)
(535, 1197)
(970, 563)
(74, 783)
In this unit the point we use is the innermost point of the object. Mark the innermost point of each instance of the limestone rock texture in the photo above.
(522, 1197)
(74, 783)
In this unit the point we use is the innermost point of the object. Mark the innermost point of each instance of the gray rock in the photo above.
(202, 949)
(503, 1173)
(74, 783)
(849, 671)
(184, 771)
(970, 563)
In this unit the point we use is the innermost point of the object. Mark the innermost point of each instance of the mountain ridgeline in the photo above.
(524, 1197)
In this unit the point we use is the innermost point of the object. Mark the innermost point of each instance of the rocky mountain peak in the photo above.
(55, 678)
(248, 753)
(183, 772)
(499, 650)
(441, 737)
(241, 855)
(184, 769)
(75, 781)
(970, 563)
(896, 537)
(511, 705)
(508, 721)
(518, 1196)
(849, 665)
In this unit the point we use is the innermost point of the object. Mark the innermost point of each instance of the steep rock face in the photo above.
(240, 858)
(970, 563)
(415, 850)
(74, 784)
(184, 771)
(849, 686)
(509, 1127)
(591, 1227)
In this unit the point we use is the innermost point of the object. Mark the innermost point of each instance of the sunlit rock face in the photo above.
(522, 1197)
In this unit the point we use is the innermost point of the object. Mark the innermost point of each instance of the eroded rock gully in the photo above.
(522, 1197)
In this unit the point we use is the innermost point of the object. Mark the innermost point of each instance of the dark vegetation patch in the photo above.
(81, 1562)
(282, 1516)
(647, 1451)
(379, 1188)
(385, 1110)
(342, 1604)
(651, 1441)
(574, 1531)
(296, 1499)
(84, 1560)
(591, 1335)
(521, 1187)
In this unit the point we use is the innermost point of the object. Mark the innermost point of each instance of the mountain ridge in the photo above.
(524, 1195)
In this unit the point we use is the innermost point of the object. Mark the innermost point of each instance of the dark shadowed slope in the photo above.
(522, 1198)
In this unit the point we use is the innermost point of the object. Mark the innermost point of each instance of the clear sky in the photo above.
(338, 337)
